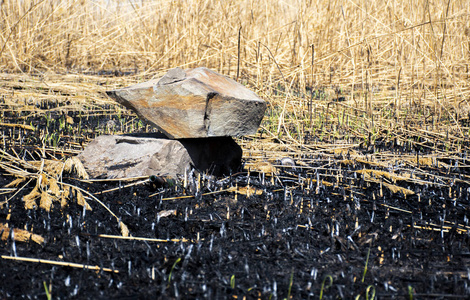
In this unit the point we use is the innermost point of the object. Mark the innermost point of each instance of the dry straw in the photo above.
(59, 263)
(338, 75)
(340, 69)
(19, 235)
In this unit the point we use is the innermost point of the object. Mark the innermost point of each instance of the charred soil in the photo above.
(301, 233)
(387, 219)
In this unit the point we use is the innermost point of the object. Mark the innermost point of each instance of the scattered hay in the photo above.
(375, 175)
(246, 190)
(30, 199)
(372, 174)
(22, 126)
(74, 163)
(49, 188)
(65, 193)
(19, 235)
(262, 167)
(371, 163)
(124, 229)
(54, 188)
(46, 201)
(314, 181)
(81, 200)
(57, 167)
(16, 182)
(52, 167)
(166, 213)
(398, 189)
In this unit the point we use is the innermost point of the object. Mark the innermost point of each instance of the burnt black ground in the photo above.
(306, 234)
(290, 240)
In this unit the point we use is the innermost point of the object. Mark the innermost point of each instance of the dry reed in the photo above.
(352, 72)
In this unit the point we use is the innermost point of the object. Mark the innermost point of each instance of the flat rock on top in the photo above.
(194, 103)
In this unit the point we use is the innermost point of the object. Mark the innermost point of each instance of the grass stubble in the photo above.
(345, 80)
(330, 70)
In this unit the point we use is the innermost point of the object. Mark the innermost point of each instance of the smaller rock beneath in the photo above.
(125, 156)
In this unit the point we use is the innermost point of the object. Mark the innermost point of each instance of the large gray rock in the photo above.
(194, 103)
(125, 156)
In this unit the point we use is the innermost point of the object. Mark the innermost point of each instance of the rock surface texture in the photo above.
(195, 103)
(125, 156)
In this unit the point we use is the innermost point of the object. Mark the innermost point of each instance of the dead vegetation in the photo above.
(330, 70)
(370, 100)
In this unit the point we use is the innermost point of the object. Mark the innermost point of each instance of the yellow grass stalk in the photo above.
(16, 182)
(20, 235)
(59, 263)
(46, 201)
(74, 163)
(398, 189)
(81, 200)
(23, 126)
(30, 199)
(370, 173)
(134, 238)
(247, 190)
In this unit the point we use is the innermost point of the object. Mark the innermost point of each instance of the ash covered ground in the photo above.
(303, 233)
(391, 221)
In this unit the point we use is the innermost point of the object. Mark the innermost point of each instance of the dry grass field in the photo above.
(378, 88)
(332, 69)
